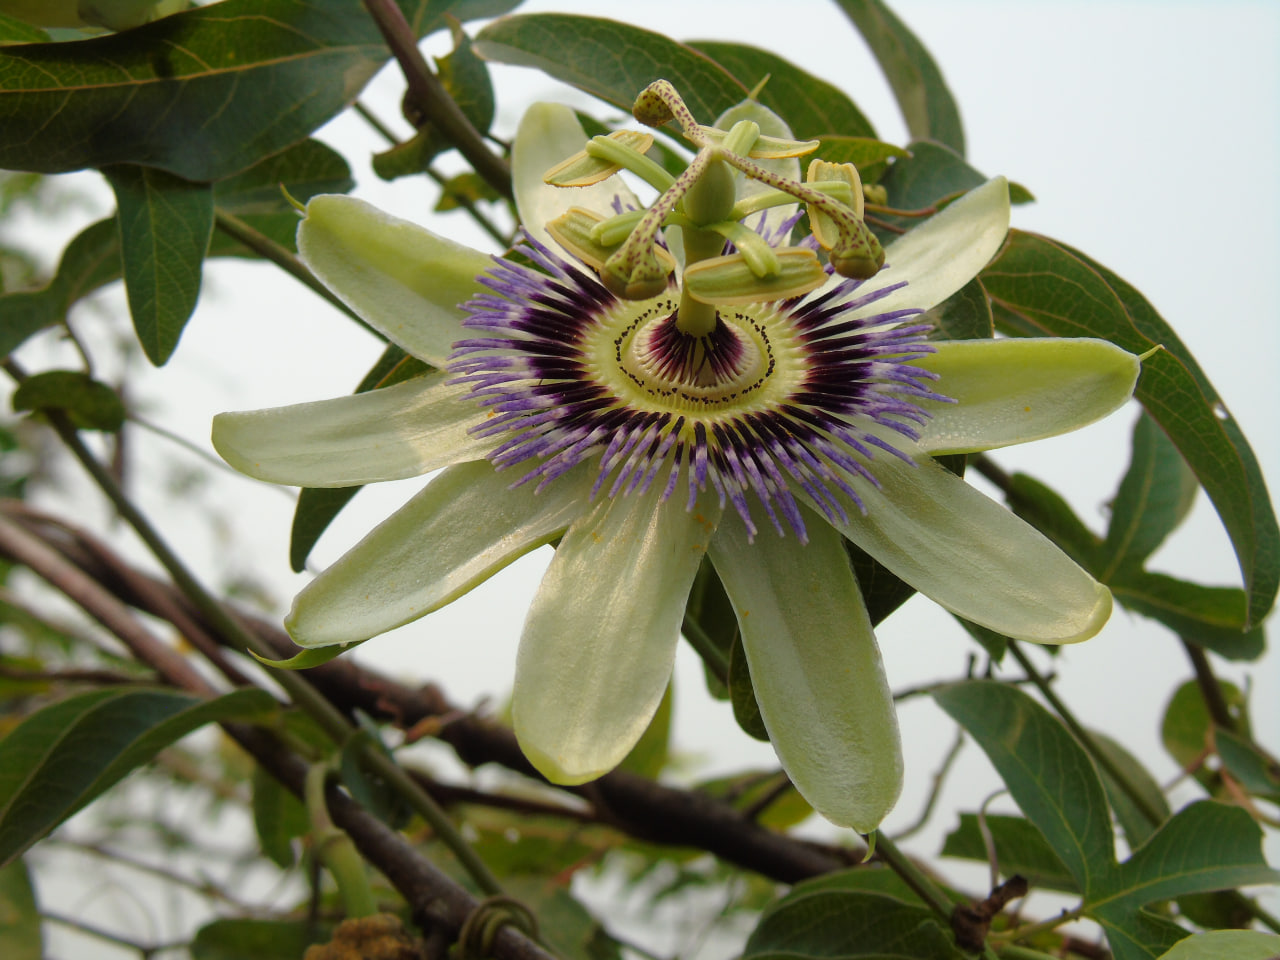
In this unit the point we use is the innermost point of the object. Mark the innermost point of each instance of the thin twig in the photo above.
(106, 935)
(225, 625)
(928, 891)
(752, 811)
(939, 778)
(428, 98)
(634, 805)
(1086, 740)
(435, 899)
(478, 215)
(1214, 699)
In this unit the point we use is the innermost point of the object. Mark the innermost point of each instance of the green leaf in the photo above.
(869, 878)
(1212, 617)
(1155, 496)
(710, 613)
(1222, 910)
(811, 107)
(278, 817)
(1020, 848)
(995, 644)
(649, 756)
(869, 156)
(1048, 512)
(753, 789)
(91, 260)
(926, 103)
(15, 31)
(931, 174)
(610, 60)
(566, 926)
(1137, 827)
(1186, 728)
(882, 591)
(20, 922)
(317, 507)
(1257, 771)
(742, 694)
(1047, 288)
(965, 315)
(201, 94)
(311, 657)
(1048, 773)
(1226, 945)
(255, 939)
(61, 757)
(464, 188)
(465, 78)
(367, 787)
(1206, 846)
(257, 196)
(848, 923)
(315, 510)
(519, 843)
(91, 405)
(165, 225)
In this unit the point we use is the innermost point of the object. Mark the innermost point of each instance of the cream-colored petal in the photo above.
(1013, 391)
(941, 255)
(401, 431)
(600, 638)
(402, 279)
(548, 134)
(974, 557)
(465, 526)
(815, 668)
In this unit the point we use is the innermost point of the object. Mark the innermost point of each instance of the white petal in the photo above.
(600, 639)
(401, 431)
(944, 253)
(974, 557)
(465, 526)
(402, 279)
(815, 668)
(1013, 391)
(548, 134)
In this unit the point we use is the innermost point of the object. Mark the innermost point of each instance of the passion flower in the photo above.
(649, 406)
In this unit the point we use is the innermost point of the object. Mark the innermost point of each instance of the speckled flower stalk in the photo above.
(648, 395)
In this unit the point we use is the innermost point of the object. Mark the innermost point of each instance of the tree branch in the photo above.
(632, 804)
(427, 99)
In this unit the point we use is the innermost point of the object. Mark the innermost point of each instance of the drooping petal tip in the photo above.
(1091, 623)
(600, 640)
(402, 279)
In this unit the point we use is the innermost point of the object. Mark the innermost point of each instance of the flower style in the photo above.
(700, 417)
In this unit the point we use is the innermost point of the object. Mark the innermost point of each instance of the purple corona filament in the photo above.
(714, 408)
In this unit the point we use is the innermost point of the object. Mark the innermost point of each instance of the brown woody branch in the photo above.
(634, 805)
(436, 901)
